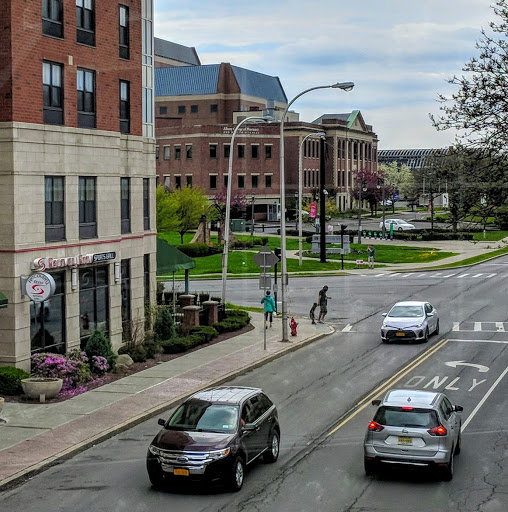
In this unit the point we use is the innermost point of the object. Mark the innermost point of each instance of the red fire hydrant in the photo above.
(293, 324)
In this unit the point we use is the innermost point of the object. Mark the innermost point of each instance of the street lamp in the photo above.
(228, 201)
(361, 185)
(253, 197)
(300, 193)
(381, 184)
(345, 86)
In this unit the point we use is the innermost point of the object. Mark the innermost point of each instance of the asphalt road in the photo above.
(323, 392)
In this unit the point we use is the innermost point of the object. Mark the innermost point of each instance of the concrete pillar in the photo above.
(186, 300)
(212, 309)
(190, 317)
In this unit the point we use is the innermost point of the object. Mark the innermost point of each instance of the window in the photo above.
(213, 150)
(52, 18)
(85, 22)
(241, 181)
(268, 152)
(156, 152)
(167, 181)
(125, 267)
(52, 93)
(146, 276)
(226, 180)
(268, 181)
(125, 107)
(93, 301)
(86, 98)
(254, 151)
(166, 152)
(178, 181)
(87, 208)
(227, 149)
(194, 109)
(188, 151)
(181, 109)
(241, 150)
(188, 180)
(146, 203)
(213, 181)
(163, 110)
(123, 32)
(254, 181)
(214, 107)
(54, 208)
(125, 205)
(178, 152)
(47, 320)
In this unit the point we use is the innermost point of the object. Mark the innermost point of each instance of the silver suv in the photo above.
(413, 428)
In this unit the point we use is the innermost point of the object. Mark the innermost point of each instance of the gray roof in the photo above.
(198, 80)
(178, 52)
(341, 117)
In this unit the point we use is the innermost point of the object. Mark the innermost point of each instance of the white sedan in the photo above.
(398, 225)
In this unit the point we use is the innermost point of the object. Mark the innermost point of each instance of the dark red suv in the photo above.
(213, 436)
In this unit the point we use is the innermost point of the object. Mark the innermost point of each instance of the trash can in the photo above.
(238, 225)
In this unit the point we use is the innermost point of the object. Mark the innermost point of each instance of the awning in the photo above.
(170, 259)
(3, 301)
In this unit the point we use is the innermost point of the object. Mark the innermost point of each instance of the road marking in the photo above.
(490, 275)
(450, 275)
(456, 326)
(482, 401)
(462, 275)
(477, 326)
(379, 275)
(500, 327)
(505, 342)
(389, 383)
(477, 275)
(406, 275)
(479, 367)
(437, 274)
(347, 328)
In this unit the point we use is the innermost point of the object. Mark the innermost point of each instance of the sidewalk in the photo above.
(35, 436)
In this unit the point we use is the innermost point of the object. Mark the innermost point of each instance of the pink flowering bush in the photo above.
(99, 365)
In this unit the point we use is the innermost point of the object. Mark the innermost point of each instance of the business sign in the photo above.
(42, 264)
(313, 210)
(40, 286)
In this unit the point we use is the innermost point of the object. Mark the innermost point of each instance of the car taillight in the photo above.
(437, 431)
(407, 408)
(375, 427)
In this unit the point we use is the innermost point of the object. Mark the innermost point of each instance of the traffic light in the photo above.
(277, 252)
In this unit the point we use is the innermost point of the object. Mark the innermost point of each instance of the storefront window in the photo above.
(47, 320)
(93, 301)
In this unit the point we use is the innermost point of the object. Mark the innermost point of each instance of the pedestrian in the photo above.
(322, 302)
(269, 305)
(312, 314)
(371, 252)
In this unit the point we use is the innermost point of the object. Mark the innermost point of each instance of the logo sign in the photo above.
(40, 286)
(313, 210)
(42, 264)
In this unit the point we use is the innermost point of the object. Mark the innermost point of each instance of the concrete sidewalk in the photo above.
(33, 436)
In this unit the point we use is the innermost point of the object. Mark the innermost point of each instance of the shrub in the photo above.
(175, 345)
(243, 244)
(193, 340)
(99, 365)
(10, 380)
(229, 325)
(99, 345)
(501, 217)
(164, 327)
(72, 371)
(138, 354)
(194, 250)
(208, 332)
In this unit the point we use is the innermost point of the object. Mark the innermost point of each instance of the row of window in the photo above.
(53, 23)
(355, 149)
(53, 97)
(213, 183)
(213, 151)
(54, 197)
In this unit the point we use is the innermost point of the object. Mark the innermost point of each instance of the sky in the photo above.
(399, 53)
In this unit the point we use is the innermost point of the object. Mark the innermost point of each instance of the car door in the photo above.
(257, 439)
(432, 320)
(451, 419)
(250, 433)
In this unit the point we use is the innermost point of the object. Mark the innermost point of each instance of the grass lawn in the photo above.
(491, 236)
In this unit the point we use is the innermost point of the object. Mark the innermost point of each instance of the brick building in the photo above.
(77, 171)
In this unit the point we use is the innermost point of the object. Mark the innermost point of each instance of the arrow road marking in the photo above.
(479, 367)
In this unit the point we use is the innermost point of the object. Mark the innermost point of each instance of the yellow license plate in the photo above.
(404, 440)
(181, 472)
(400, 334)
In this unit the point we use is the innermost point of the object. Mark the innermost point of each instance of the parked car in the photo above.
(410, 321)
(213, 436)
(398, 225)
(414, 428)
(387, 202)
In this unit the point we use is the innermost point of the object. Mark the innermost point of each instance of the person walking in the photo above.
(322, 302)
(312, 314)
(371, 252)
(269, 306)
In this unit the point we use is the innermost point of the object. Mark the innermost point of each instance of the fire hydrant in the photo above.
(293, 324)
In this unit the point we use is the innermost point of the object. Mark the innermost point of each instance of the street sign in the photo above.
(265, 282)
(265, 259)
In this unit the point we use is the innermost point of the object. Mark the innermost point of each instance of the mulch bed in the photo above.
(134, 368)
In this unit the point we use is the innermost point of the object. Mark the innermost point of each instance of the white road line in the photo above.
(451, 275)
(490, 275)
(462, 275)
(477, 275)
(456, 326)
(436, 274)
(477, 326)
(482, 401)
(406, 275)
(379, 275)
(500, 327)
(502, 342)
(347, 328)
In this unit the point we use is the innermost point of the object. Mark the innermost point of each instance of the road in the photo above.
(323, 392)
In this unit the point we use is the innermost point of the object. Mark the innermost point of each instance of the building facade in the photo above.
(77, 171)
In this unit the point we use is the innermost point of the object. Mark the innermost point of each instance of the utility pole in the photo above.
(322, 201)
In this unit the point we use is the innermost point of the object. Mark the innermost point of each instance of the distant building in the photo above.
(171, 54)
(413, 158)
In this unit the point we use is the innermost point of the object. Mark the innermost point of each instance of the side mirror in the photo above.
(249, 427)
(161, 421)
(384, 314)
(458, 408)
(430, 314)
(376, 402)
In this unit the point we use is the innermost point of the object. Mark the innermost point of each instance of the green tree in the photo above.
(188, 204)
(165, 210)
(398, 178)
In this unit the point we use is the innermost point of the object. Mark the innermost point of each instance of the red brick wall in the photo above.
(5, 62)
(31, 47)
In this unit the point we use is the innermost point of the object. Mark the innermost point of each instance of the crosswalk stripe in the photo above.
(462, 275)
(477, 326)
(437, 274)
(477, 275)
(379, 275)
(490, 275)
(347, 328)
(450, 275)
(456, 326)
(500, 327)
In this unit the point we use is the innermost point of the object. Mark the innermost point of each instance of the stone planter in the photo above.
(2, 400)
(41, 387)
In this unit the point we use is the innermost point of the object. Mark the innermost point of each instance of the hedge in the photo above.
(10, 380)
(176, 345)
(207, 332)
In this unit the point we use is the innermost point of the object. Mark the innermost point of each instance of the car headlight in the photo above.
(154, 450)
(219, 454)
(415, 325)
(388, 326)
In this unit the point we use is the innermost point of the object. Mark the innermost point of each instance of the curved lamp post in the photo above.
(300, 193)
(345, 86)
(228, 201)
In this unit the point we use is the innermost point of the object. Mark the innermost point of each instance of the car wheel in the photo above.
(447, 473)
(426, 338)
(156, 478)
(272, 454)
(237, 475)
(400, 229)
(459, 444)
(370, 467)
(436, 332)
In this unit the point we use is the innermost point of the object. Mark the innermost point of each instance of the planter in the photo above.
(41, 387)
(2, 400)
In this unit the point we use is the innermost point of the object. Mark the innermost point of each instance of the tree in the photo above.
(165, 210)
(368, 180)
(189, 204)
(238, 203)
(397, 178)
(480, 107)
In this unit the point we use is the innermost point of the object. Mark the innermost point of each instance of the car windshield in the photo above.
(203, 416)
(406, 311)
(401, 417)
